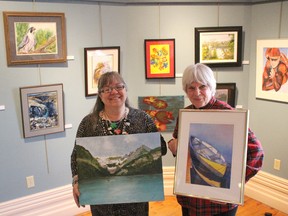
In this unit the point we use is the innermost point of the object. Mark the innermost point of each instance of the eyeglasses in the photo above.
(108, 90)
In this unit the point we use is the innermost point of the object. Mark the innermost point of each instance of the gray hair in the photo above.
(199, 73)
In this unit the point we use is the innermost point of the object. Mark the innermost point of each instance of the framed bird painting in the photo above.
(34, 38)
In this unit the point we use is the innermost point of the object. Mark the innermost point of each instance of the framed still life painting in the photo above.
(272, 70)
(42, 109)
(213, 144)
(99, 60)
(120, 169)
(159, 58)
(34, 38)
(219, 46)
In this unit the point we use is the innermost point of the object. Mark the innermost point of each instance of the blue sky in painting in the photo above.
(104, 146)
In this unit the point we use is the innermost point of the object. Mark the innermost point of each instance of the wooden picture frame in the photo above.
(99, 60)
(34, 38)
(219, 46)
(42, 109)
(226, 92)
(213, 149)
(159, 58)
(272, 61)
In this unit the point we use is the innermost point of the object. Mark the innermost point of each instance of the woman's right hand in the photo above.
(76, 194)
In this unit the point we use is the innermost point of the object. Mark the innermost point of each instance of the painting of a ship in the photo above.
(209, 164)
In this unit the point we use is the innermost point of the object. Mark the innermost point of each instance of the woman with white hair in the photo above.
(199, 84)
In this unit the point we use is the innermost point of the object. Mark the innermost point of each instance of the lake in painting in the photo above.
(122, 189)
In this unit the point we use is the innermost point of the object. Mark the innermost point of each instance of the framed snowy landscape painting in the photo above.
(120, 169)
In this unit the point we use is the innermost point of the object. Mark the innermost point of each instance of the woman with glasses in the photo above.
(112, 115)
(199, 84)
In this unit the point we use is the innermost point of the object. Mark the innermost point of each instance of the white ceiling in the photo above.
(129, 2)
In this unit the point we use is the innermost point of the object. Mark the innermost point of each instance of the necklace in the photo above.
(114, 127)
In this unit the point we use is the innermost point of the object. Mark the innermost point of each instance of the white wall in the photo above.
(47, 158)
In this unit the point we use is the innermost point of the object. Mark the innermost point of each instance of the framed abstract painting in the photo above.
(42, 109)
(160, 58)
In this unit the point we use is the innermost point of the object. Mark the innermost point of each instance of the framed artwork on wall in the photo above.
(272, 70)
(159, 58)
(162, 109)
(219, 46)
(42, 109)
(99, 60)
(226, 92)
(214, 150)
(34, 38)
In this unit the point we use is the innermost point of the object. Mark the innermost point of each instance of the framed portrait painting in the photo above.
(34, 38)
(42, 109)
(272, 70)
(219, 46)
(213, 145)
(99, 60)
(226, 92)
(159, 58)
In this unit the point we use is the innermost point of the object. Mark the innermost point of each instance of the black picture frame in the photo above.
(219, 46)
(99, 60)
(226, 92)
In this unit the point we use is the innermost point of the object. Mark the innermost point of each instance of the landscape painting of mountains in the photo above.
(120, 169)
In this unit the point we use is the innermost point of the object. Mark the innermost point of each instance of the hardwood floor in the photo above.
(170, 207)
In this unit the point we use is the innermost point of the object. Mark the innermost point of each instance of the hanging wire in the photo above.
(280, 20)
(46, 154)
(39, 73)
(159, 18)
(33, 5)
(218, 24)
(100, 24)
(218, 13)
(159, 37)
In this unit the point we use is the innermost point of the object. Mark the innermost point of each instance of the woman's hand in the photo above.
(172, 145)
(76, 194)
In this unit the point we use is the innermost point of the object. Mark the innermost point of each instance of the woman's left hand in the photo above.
(172, 145)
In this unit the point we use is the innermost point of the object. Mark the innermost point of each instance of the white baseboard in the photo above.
(270, 190)
(58, 201)
(264, 187)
